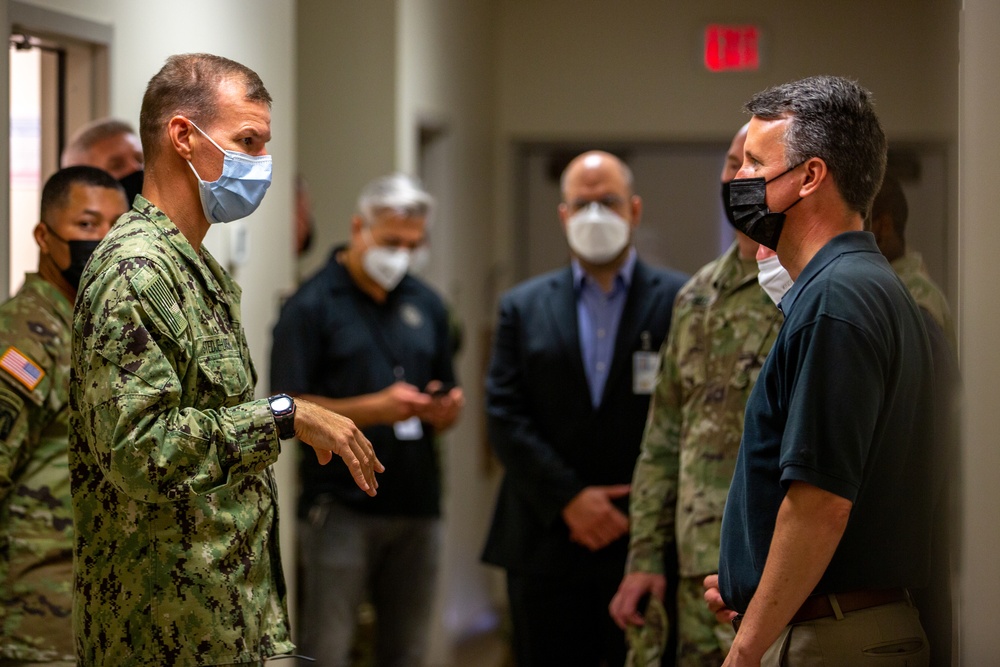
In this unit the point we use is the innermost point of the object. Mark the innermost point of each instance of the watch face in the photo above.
(281, 404)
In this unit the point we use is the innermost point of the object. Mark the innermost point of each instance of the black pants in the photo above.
(562, 620)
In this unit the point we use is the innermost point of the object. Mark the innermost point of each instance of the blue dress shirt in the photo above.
(598, 314)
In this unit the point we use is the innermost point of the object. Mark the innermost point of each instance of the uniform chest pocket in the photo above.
(756, 343)
(223, 380)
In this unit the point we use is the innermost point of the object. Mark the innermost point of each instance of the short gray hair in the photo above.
(79, 145)
(188, 85)
(399, 193)
(834, 119)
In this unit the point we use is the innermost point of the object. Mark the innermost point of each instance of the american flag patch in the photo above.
(22, 368)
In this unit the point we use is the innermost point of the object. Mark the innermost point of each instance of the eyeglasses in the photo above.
(610, 201)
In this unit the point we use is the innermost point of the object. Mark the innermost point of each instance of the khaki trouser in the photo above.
(888, 636)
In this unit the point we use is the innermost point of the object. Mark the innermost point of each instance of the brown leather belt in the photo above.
(819, 606)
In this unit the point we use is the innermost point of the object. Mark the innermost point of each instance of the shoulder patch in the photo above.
(40, 329)
(21, 368)
(149, 286)
(10, 407)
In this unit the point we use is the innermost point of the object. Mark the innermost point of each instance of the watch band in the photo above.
(283, 411)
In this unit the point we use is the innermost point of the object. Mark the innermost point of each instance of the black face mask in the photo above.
(747, 209)
(132, 184)
(725, 204)
(79, 255)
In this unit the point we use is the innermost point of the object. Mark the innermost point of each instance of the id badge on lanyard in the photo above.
(645, 367)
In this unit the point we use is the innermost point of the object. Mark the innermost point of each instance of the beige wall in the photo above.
(347, 81)
(979, 323)
(633, 69)
(571, 70)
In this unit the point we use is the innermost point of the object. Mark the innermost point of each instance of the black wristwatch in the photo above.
(283, 410)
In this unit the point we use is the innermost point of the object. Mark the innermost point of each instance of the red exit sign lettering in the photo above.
(730, 48)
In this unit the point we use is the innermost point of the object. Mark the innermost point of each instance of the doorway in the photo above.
(58, 81)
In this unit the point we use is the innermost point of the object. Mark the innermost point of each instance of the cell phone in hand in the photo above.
(443, 390)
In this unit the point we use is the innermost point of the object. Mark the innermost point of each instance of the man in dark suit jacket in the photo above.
(574, 362)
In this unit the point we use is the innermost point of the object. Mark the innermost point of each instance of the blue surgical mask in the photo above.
(239, 190)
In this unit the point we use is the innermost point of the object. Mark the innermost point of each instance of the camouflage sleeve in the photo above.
(155, 437)
(14, 429)
(653, 502)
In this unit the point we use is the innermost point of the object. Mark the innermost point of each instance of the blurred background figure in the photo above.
(369, 340)
(573, 367)
(304, 220)
(106, 143)
(112, 145)
(888, 223)
(888, 219)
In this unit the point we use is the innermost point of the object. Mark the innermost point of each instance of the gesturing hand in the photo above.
(329, 433)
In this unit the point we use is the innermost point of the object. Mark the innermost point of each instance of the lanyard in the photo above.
(379, 337)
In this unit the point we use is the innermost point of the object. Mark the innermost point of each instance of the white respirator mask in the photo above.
(773, 278)
(597, 234)
(386, 266)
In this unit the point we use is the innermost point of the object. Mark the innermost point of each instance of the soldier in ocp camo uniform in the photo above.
(722, 329)
(888, 223)
(79, 205)
(176, 557)
(888, 219)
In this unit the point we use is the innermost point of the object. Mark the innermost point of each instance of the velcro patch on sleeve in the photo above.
(21, 368)
(10, 407)
(152, 289)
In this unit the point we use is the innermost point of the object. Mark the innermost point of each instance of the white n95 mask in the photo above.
(597, 234)
(773, 278)
(386, 266)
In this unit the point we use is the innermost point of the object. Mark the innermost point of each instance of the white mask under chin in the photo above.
(773, 278)
(597, 234)
(386, 266)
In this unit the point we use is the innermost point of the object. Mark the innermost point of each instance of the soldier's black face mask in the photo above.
(725, 203)
(747, 209)
(79, 255)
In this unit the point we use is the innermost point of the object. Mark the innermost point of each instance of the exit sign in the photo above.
(731, 48)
